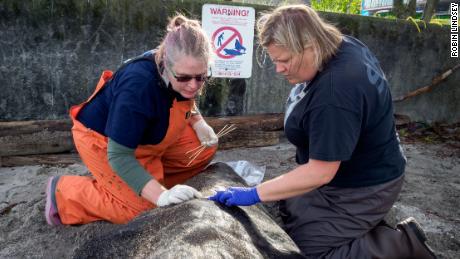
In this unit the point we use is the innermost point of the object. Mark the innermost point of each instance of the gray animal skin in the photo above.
(196, 229)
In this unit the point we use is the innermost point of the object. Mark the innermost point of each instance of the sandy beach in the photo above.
(431, 194)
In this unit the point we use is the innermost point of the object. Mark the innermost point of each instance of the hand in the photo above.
(177, 194)
(237, 196)
(205, 133)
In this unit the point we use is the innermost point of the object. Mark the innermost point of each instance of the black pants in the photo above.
(333, 222)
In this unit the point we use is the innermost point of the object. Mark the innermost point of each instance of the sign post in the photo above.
(231, 30)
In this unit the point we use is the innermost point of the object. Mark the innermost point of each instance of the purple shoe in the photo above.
(51, 212)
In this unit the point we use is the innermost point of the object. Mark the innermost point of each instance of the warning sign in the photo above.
(228, 47)
(231, 30)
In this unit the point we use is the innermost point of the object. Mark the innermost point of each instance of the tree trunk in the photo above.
(402, 11)
(412, 8)
(398, 9)
(430, 9)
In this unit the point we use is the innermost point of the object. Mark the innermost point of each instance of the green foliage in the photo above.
(441, 21)
(337, 6)
(403, 133)
(438, 20)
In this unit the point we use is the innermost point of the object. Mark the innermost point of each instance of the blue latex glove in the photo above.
(237, 196)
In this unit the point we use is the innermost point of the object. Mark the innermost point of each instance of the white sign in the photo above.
(231, 30)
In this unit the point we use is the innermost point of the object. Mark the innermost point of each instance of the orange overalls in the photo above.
(105, 196)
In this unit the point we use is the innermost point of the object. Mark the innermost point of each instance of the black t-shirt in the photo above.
(345, 114)
(133, 107)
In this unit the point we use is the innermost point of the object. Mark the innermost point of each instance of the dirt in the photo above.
(431, 194)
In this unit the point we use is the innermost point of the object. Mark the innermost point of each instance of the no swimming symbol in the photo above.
(228, 42)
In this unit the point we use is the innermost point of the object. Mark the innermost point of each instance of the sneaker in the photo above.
(51, 212)
(413, 228)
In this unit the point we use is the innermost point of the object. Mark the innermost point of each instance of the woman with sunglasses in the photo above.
(340, 118)
(134, 131)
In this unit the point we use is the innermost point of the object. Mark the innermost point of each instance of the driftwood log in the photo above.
(44, 159)
(195, 229)
(29, 138)
(436, 81)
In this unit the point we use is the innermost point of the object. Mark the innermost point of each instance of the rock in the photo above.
(195, 229)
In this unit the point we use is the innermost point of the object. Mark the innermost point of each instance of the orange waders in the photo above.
(84, 199)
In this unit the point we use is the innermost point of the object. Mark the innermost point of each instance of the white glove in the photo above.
(205, 133)
(177, 194)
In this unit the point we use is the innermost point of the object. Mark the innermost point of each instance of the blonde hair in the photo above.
(297, 27)
(184, 37)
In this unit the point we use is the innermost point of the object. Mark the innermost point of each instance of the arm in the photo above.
(152, 191)
(124, 163)
(203, 131)
(333, 133)
(195, 118)
(130, 111)
(302, 179)
(196, 115)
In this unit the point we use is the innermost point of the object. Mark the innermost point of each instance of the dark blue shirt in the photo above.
(133, 107)
(346, 114)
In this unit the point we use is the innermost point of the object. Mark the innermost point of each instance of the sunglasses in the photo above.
(187, 78)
